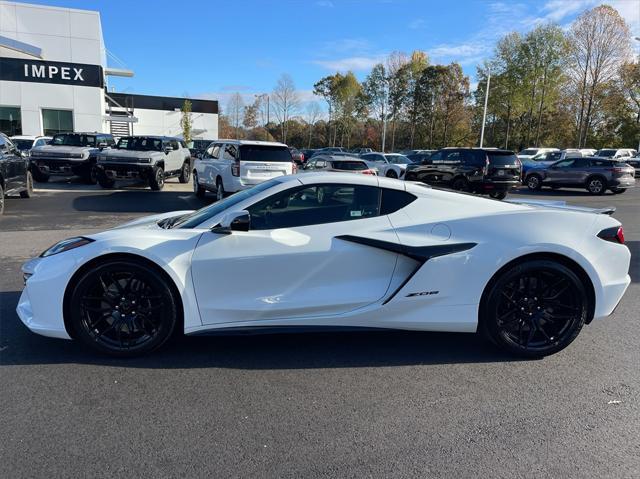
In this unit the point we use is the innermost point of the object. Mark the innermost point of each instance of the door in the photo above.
(176, 158)
(560, 172)
(208, 165)
(290, 264)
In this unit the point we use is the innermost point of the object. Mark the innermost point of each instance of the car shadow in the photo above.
(139, 201)
(19, 346)
(634, 269)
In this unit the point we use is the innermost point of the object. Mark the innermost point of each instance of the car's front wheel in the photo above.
(185, 173)
(596, 185)
(198, 189)
(534, 182)
(122, 308)
(391, 174)
(104, 181)
(28, 187)
(535, 308)
(39, 176)
(156, 182)
(90, 175)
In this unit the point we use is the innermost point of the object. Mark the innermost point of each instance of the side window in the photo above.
(564, 163)
(314, 205)
(393, 200)
(436, 157)
(183, 144)
(230, 152)
(454, 157)
(3, 142)
(175, 145)
(580, 163)
(320, 164)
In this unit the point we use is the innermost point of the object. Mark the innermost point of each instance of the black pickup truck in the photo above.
(15, 174)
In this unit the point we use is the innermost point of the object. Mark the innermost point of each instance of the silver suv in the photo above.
(595, 174)
(70, 154)
(149, 158)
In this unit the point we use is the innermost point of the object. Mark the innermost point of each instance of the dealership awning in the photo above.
(20, 47)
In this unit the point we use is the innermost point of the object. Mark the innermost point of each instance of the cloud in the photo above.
(416, 24)
(324, 3)
(235, 88)
(350, 63)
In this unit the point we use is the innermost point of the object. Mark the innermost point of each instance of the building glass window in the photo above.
(10, 120)
(56, 121)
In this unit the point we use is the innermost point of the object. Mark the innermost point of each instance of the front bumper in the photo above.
(59, 166)
(125, 171)
(25, 313)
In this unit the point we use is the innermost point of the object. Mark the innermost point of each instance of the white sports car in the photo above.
(333, 250)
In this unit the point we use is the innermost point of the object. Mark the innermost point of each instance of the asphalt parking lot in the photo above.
(316, 405)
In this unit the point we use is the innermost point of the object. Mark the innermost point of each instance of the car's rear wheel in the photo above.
(198, 189)
(185, 173)
(534, 182)
(123, 308)
(535, 309)
(596, 185)
(156, 182)
(220, 193)
(28, 190)
(90, 175)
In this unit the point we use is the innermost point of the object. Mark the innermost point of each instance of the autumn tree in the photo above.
(285, 102)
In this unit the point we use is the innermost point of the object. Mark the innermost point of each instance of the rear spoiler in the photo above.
(562, 205)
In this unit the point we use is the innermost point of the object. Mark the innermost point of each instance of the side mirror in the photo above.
(235, 221)
(167, 149)
(199, 155)
(102, 145)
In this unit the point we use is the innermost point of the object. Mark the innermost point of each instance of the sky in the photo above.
(211, 49)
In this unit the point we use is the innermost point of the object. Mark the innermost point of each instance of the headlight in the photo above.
(144, 160)
(66, 245)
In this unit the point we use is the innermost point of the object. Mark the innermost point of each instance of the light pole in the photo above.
(486, 100)
(638, 40)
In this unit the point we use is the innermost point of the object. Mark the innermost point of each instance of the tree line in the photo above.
(548, 87)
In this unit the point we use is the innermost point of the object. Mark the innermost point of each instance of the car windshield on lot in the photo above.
(498, 158)
(263, 153)
(606, 153)
(73, 139)
(398, 159)
(350, 165)
(23, 145)
(204, 214)
(529, 151)
(140, 143)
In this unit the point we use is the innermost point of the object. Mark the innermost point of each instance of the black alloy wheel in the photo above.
(90, 175)
(123, 308)
(498, 195)
(104, 181)
(392, 174)
(28, 190)
(460, 184)
(185, 173)
(535, 309)
(156, 182)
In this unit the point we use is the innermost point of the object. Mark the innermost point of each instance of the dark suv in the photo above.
(479, 170)
(593, 173)
(15, 175)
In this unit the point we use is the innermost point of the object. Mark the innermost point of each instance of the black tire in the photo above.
(1, 199)
(122, 308)
(185, 173)
(39, 176)
(498, 195)
(28, 191)
(90, 175)
(198, 189)
(156, 181)
(535, 308)
(534, 182)
(104, 181)
(596, 185)
(392, 174)
(220, 193)
(618, 191)
(460, 184)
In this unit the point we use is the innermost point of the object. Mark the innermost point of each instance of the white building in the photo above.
(53, 72)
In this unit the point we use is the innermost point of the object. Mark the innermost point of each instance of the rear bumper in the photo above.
(623, 182)
(489, 185)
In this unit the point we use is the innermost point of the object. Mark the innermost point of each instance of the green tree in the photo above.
(186, 121)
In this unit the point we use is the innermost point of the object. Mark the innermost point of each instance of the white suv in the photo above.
(228, 166)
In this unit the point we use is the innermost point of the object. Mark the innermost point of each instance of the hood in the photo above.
(55, 149)
(129, 153)
(152, 220)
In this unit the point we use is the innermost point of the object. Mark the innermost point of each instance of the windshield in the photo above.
(398, 159)
(140, 143)
(23, 144)
(606, 153)
(349, 165)
(74, 139)
(265, 153)
(529, 151)
(200, 216)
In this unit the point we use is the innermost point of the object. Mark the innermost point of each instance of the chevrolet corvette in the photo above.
(330, 250)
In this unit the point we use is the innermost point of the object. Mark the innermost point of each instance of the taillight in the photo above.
(368, 172)
(614, 234)
(235, 169)
(294, 168)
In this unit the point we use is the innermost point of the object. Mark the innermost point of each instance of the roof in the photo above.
(250, 142)
(157, 137)
(28, 137)
(338, 158)
(83, 133)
